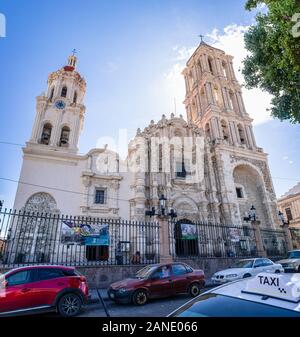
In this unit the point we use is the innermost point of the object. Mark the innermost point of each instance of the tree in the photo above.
(273, 63)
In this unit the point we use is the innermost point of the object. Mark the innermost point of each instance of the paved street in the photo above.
(155, 308)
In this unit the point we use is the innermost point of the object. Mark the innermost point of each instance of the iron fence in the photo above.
(295, 234)
(33, 238)
(204, 239)
(274, 242)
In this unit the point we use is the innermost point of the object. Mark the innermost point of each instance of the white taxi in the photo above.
(264, 295)
(246, 268)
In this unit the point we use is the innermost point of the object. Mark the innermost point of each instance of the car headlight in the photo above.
(231, 275)
(122, 291)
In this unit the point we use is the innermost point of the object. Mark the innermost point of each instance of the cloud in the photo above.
(231, 40)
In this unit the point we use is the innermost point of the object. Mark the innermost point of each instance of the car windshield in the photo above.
(145, 272)
(243, 264)
(294, 255)
(214, 305)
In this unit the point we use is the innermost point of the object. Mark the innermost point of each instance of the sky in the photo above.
(131, 54)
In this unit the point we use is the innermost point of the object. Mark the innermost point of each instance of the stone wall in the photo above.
(103, 276)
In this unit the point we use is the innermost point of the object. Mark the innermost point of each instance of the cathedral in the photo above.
(216, 175)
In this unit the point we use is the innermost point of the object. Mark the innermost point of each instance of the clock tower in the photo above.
(60, 111)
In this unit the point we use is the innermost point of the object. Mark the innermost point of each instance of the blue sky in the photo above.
(131, 54)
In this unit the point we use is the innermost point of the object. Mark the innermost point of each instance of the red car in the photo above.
(42, 288)
(154, 281)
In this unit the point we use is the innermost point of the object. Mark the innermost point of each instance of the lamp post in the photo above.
(282, 218)
(287, 232)
(162, 212)
(257, 232)
(164, 239)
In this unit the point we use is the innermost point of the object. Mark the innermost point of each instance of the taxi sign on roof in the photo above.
(281, 286)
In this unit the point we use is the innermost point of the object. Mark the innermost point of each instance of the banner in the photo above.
(235, 234)
(188, 231)
(85, 234)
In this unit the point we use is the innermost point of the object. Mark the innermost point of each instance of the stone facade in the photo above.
(289, 205)
(223, 171)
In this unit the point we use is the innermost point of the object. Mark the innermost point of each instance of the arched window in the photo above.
(241, 134)
(64, 137)
(217, 96)
(224, 68)
(75, 97)
(46, 134)
(51, 94)
(207, 130)
(210, 65)
(64, 91)
(225, 130)
(231, 100)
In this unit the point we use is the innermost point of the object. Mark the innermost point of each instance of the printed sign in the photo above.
(188, 231)
(86, 234)
(234, 234)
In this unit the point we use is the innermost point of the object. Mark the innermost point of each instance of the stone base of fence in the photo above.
(102, 276)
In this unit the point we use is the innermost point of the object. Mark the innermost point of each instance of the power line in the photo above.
(56, 189)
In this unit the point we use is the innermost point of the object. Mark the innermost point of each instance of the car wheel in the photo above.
(277, 271)
(69, 305)
(194, 289)
(299, 269)
(247, 275)
(140, 297)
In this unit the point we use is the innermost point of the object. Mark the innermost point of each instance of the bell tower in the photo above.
(239, 173)
(60, 111)
(214, 99)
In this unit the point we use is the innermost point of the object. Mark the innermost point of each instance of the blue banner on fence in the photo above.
(102, 240)
(86, 234)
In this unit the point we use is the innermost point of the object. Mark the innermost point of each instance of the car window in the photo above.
(162, 272)
(243, 264)
(294, 255)
(267, 262)
(258, 263)
(214, 305)
(49, 273)
(178, 269)
(21, 277)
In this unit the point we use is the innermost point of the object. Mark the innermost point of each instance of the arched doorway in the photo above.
(250, 190)
(186, 238)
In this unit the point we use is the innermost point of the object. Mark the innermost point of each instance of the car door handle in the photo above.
(25, 290)
(170, 280)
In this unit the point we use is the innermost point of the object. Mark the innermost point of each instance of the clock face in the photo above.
(60, 104)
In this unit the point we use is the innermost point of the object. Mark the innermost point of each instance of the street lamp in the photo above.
(162, 204)
(282, 218)
(252, 214)
(162, 209)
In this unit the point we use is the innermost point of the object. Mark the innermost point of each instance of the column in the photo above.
(259, 242)
(288, 237)
(165, 256)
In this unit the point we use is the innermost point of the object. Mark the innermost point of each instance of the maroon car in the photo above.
(155, 281)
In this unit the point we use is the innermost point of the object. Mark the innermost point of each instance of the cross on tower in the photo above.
(201, 37)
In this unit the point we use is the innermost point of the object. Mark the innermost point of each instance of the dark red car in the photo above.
(42, 288)
(160, 280)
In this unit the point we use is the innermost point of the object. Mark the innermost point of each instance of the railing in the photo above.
(274, 242)
(203, 239)
(32, 238)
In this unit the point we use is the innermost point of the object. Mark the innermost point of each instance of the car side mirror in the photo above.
(4, 284)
